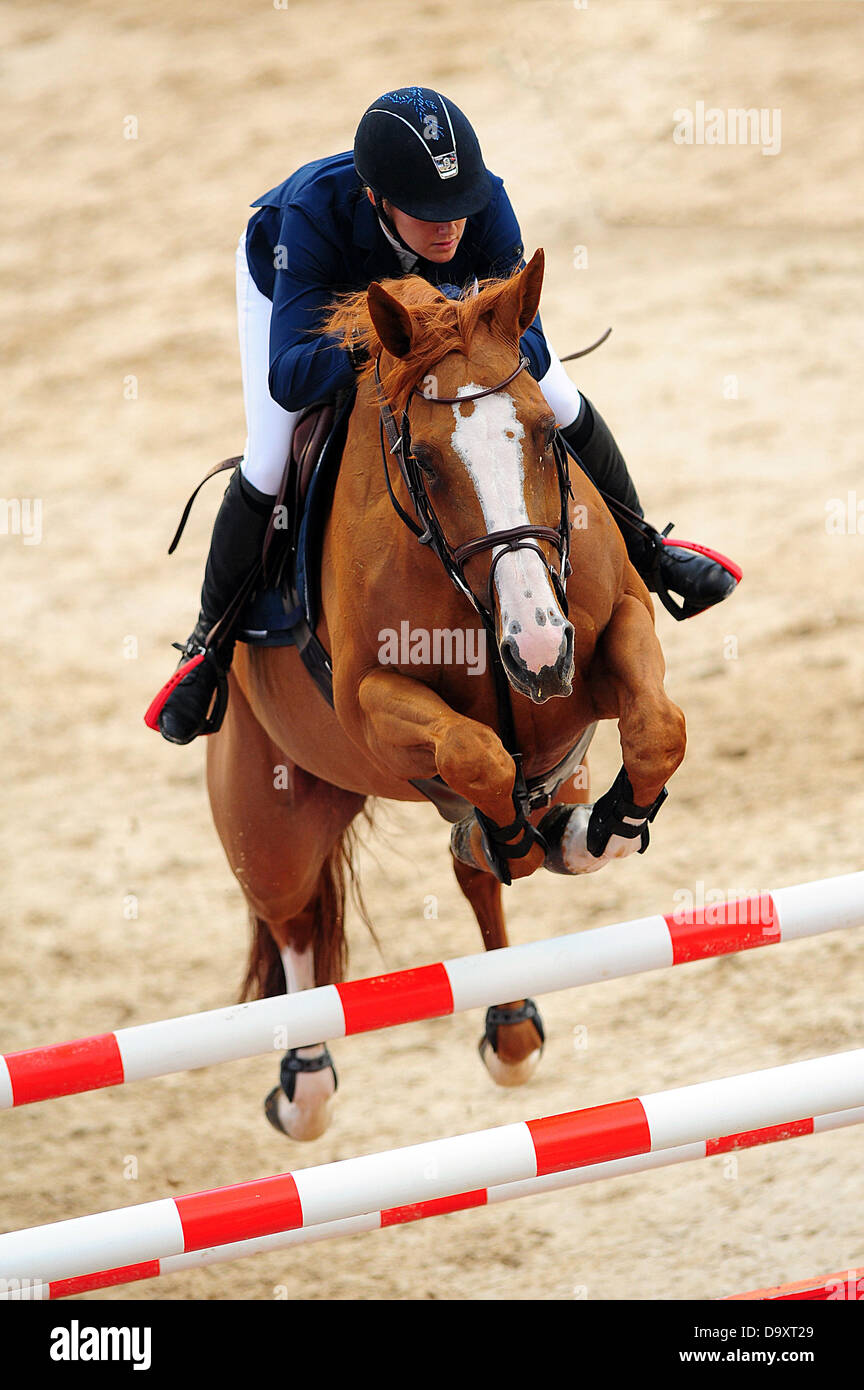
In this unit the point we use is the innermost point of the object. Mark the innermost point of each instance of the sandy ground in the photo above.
(732, 279)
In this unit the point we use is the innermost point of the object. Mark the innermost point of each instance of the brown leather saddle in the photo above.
(281, 539)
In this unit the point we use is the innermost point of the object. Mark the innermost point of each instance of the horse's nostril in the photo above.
(511, 656)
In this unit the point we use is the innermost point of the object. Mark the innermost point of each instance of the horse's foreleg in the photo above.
(416, 734)
(629, 684)
(413, 732)
(650, 726)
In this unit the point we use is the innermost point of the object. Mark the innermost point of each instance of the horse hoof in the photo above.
(525, 1019)
(302, 1124)
(300, 1105)
(508, 1073)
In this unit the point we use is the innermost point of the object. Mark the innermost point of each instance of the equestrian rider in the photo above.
(415, 198)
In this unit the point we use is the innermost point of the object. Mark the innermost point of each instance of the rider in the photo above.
(414, 197)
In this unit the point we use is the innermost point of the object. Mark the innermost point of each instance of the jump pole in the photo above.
(430, 991)
(464, 1201)
(845, 1285)
(437, 1169)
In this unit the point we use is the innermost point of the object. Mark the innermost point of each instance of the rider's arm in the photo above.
(500, 241)
(304, 366)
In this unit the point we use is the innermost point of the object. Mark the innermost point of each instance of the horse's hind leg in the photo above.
(299, 1105)
(512, 1043)
(284, 832)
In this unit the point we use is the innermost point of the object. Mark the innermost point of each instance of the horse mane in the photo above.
(440, 325)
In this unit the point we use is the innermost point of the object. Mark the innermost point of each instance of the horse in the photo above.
(450, 443)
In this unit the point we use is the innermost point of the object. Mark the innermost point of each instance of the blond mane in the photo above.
(439, 325)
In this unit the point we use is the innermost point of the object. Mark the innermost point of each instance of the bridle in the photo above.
(431, 533)
(501, 843)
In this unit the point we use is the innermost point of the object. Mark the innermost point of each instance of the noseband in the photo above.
(431, 533)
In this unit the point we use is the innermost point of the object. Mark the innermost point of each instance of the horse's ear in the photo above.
(516, 309)
(390, 319)
(531, 280)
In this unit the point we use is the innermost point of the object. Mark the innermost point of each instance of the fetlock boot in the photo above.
(235, 549)
(699, 580)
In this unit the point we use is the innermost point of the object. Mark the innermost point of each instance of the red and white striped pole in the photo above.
(420, 1211)
(439, 1169)
(847, 1285)
(431, 991)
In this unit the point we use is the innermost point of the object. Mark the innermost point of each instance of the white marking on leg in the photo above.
(488, 437)
(307, 1115)
(509, 1073)
(574, 846)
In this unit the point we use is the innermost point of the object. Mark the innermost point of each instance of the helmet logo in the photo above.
(446, 164)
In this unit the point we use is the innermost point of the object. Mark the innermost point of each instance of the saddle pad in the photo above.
(265, 621)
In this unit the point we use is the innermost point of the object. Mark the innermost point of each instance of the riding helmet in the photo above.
(419, 151)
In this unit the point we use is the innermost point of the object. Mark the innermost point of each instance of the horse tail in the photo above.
(265, 976)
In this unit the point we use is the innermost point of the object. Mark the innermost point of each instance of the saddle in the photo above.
(277, 605)
(307, 444)
(286, 601)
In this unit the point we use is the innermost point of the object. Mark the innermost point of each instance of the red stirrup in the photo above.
(720, 559)
(151, 718)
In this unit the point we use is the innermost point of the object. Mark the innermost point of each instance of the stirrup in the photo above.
(213, 720)
(687, 608)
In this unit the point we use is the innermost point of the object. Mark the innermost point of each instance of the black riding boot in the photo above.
(238, 536)
(699, 581)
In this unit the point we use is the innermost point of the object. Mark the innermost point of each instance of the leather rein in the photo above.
(500, 842)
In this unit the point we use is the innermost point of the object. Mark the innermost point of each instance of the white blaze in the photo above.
(488, 438)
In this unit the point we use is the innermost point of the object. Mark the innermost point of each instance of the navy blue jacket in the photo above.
(318, 235)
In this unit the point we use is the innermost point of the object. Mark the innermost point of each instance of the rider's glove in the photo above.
(357, 350)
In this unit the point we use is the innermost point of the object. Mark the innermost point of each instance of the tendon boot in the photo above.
(238, 537)
(699, 580)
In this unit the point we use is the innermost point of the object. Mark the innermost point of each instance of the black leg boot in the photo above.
(238, 537)
(699, 581)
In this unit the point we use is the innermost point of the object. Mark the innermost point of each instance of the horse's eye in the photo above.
(424, 462)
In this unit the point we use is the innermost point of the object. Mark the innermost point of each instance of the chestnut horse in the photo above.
(451, 440)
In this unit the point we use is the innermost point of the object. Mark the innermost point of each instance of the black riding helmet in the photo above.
(418, 151)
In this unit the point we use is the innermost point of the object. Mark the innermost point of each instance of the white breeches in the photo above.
(561, 395)
(269, 428)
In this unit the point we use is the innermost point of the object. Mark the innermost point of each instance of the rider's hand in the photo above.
(357, 350)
